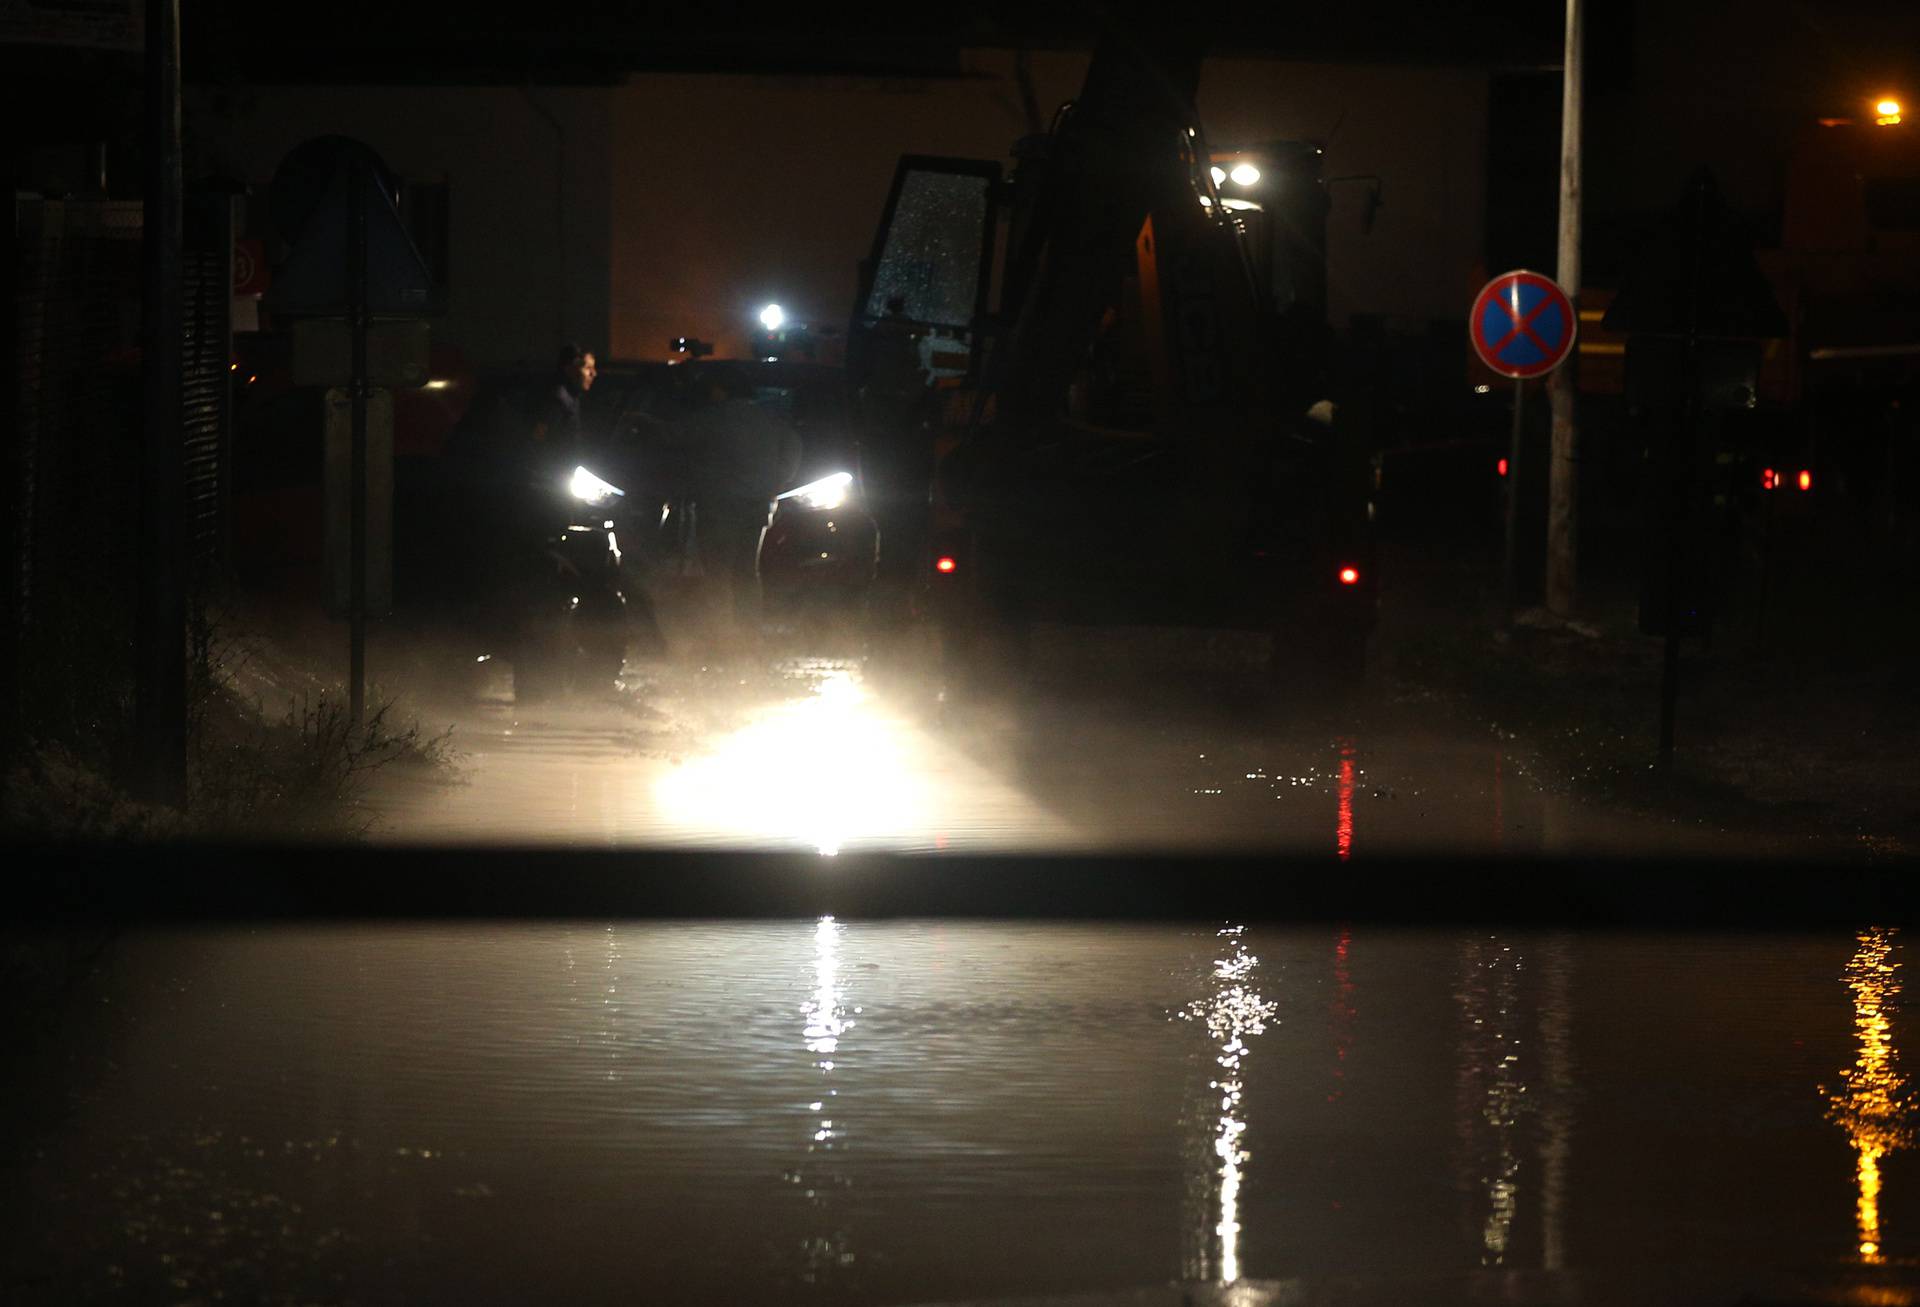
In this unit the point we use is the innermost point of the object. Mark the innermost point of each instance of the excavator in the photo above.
(1099, 390)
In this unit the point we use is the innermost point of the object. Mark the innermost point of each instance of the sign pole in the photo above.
(160, 682)
(1522, 325)
(1511, 569)
(359, 180)
(1563, 495)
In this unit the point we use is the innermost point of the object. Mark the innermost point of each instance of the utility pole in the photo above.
(160, 671)
(359, 181)
(1563, 490)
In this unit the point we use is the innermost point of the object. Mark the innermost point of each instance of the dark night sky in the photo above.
(601, 39)
(598, 40)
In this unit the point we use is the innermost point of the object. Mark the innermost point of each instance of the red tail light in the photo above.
(1769, 480)
(1806, 479)
(1502, 466)
(1349, 576)
(944, 563)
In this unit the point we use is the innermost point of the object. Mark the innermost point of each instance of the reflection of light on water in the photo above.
(819, 771)
(1556, 1111)
(826, 1022)
(1343, 823)
(1233, 1012)
(1341, 1012)
(611, 1009)
(1491, 1088)
(1872, 1107)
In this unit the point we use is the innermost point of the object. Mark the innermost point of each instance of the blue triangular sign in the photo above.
(314, 277)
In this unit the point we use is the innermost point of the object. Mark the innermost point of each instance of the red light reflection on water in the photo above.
(1341, 1013)
(1343, 823)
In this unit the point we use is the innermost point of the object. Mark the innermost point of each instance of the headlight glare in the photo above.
(586, 486)
(828, 492)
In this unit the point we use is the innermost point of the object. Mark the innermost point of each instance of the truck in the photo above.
(1100, 390)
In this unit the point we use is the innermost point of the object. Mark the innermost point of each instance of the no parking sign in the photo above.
(1522, 325)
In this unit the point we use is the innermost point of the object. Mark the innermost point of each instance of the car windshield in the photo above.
(1026, 654)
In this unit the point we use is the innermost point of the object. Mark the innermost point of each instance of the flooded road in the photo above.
(833, 753)
(866, 1112)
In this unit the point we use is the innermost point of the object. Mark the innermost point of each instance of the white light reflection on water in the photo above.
(820, 771)
(1492, 1089)
(1873, 1107)
(826, 1021)
(1233, 1012)
(1556, 1109)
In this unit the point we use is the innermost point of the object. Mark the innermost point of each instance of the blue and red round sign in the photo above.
(1522, 325)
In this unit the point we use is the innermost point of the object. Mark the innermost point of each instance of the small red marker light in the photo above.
(944, 563)
(1349, 576)
(1769, 480)
(1502, 466)
(1806, 479)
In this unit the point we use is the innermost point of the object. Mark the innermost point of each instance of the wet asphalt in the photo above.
(1111, 741)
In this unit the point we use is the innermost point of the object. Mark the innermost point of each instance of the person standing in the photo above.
(556, 427)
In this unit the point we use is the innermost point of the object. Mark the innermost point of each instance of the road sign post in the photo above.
(1522, 326)
(351, 258)
(1510, 568)
(160, 683)
(1694, 298)
(357, 489)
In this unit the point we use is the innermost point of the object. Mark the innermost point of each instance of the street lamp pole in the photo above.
(1563, 491)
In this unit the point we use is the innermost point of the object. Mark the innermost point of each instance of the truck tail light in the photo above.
(945, 564)
(1501, 467)
(1806, 479)
(1769, 479)
(1349, 576)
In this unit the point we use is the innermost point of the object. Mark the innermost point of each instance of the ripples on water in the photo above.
(860, 1112)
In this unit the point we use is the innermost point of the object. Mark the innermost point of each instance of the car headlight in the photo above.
(586, 486)
(828, 492)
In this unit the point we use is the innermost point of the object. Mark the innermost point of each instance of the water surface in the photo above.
(872, 1112)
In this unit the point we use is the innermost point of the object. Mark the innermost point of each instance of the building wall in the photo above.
(1423, 132)
(528, 239)
(730, 192)
(689, 201)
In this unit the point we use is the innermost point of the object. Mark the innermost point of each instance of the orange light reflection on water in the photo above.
(1872, 1106)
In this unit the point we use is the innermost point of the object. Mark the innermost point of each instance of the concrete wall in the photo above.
(517, 285)
(730, 192)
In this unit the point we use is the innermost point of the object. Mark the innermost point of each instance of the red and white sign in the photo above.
(250, 273)
(1522, 325)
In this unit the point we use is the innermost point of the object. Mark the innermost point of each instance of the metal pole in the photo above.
(359, 180)
(160, 679)
(1563, 494)
(1511, 570)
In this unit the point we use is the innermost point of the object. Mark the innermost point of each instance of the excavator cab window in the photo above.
(933, 252)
